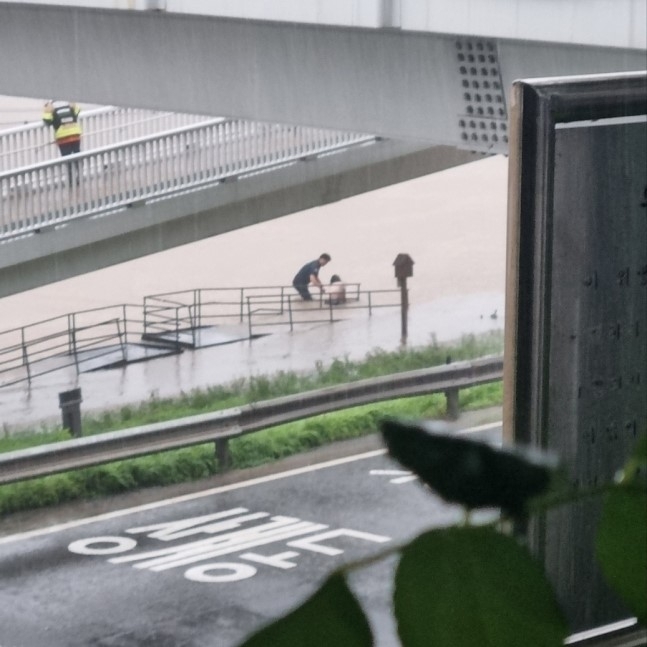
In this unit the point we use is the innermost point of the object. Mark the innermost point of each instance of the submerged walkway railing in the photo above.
(259, 307)
(68, 340)
(125, 175)
(101, 337)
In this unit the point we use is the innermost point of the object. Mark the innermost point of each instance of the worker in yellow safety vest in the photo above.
(63, 117)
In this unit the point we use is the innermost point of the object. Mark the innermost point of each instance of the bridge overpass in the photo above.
(150, 187)
(404, 69)
(429, 78)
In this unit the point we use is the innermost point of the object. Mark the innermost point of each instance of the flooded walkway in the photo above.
(451, 223)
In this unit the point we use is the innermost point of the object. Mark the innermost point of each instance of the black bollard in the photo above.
(70, 404)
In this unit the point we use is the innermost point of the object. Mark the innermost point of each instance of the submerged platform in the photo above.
(202, 337)
(116, 356)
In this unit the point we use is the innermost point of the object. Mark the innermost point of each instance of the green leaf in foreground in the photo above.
(332, 616)
(621, 547)
(470, 472)
(461, 587)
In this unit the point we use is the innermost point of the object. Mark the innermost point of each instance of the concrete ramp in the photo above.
(115, 356)
(203, 337)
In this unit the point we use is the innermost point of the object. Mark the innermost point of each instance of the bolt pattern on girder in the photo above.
(484, 121)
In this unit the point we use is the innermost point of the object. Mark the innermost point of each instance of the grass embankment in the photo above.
(198, 462)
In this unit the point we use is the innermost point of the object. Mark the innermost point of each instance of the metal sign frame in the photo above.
(544, 115)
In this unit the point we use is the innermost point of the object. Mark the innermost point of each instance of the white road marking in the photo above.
(238, 572)
(76, 523)
(389, 472)
(404, 479)
(403, 476)
(115, 514)
(474, 430)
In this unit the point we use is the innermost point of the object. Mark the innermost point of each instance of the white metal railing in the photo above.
(33, 143)
(115, 177)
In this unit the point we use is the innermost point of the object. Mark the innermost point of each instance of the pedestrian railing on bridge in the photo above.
(112, 336)
(33, 143)
(125, 175)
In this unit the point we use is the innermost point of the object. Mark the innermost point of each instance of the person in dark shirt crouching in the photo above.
(309, 274)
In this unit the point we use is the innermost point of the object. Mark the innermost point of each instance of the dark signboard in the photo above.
(576, 327)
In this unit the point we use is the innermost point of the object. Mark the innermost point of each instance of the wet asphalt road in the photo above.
(207, 568)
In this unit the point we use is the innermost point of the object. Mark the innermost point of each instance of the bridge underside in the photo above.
(403, 85)
(90, 244)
